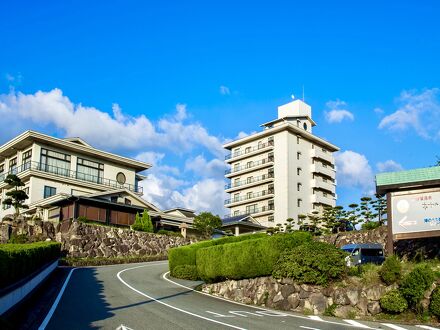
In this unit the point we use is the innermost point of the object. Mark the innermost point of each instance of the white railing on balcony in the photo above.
(249, 150)
(246, 182)
(252, 211)
(321, 153)
(236, 169)
(248, 197)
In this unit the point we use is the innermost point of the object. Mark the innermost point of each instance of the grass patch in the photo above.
(102, 261)
(370, 274)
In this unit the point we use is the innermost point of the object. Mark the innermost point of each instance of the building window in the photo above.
(298, 139)
(298, 171)
(251, 208)
(270, 218)
(270, 140)
(250, 179)
(127, 201)
(270, 205)
(89, 170)
(249, 195)
(55, 162)
(2, 168)
(298, 186)
(114, 199)
(236, 212)
(13, 166)
(305, 126)
(247, 150)
(26, 160)
(249, 164)
(236, 197)
(260, 144)
(236, 167)
(236, 182)
(49, 191)
(236, 152)
(299, 201)
(298, 155)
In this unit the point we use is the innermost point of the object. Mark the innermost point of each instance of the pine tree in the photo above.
(16, 196)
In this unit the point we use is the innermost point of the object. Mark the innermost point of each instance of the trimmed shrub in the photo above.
(186, 272)
(18, 239)
(186, 255)
(313, 263)
(393, 302)
(370, 225)
(415, 284)
(390, 271)
(169, 233)
(434, 306)
(246, 259)
(20, 260)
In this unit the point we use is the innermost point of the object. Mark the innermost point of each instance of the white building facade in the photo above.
(283, 171)
(49, 166)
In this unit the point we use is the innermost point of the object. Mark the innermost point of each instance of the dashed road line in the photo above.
(393, 326)
(357, 324)
(316, 318)
(304, 327)
(427, 327)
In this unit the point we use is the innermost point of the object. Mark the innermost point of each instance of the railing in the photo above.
(59, 171)
(251, 211)
(249, 150)
(252, 196)
(245, 182)
(254, 164)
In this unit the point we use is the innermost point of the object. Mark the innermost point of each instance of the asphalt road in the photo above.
(138, 296)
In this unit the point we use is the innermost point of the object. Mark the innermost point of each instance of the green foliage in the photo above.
(18, 239)
(370, 225)
(169, 233)
(143, 223)
(370, 274)
(101, 261)
(186, 255)
(393, 302)
(434, 307)
(16, 196)
(246, 259)
(206, 222)
(20, 260)
(186, 272)
(330, 310)
(313, 262)
(391, 270)
(415, 283)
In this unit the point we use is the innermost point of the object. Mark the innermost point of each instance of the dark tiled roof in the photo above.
(237, 218)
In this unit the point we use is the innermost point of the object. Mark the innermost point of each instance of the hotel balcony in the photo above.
(257, 165)
(250, 151)
(326, 170)
(255, 212)
(320, 153)
(324, 185)
(32, 168)
(325, 200)
(265, 194)
(259, 180)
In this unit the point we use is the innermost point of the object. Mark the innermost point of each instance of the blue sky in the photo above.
(169, 82)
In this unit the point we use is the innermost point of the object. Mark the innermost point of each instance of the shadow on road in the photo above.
(82, 304)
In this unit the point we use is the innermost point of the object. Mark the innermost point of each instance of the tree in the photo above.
(352, 216)
(143, 223)
(365, 209)
(380, 206)
(16, 196)
(206, 222)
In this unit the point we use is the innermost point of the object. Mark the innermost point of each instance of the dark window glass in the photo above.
(372, 252)
(49, 191)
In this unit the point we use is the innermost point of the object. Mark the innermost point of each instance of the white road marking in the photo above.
(393, 326)
(168, 305)
(315, 318)
(123, 327)
(164, 276)
(357, 324)
(272, 313)
(427, 327)
(239, 313)
(55, 303)
(219, 315)
(304, 327)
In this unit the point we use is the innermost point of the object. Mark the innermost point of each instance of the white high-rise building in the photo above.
(283, 171)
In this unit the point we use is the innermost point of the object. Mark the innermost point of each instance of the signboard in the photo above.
(415, 212)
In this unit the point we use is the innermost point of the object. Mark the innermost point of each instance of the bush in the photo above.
(169, 233)
(393, 302)
(18, 239)
(313, 263)
(20, 260)
(246, 259)
(143, 223)
(415, 284)
(370, 273)
(186, 272)
(434, 306)
(390, 271)
(186, 255)
(370, 225)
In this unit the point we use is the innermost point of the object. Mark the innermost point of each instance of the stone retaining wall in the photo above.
(84, 240)
(349, 299)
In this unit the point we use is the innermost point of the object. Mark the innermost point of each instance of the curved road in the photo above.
(140, 296)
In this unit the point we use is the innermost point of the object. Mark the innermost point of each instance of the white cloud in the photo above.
(224, 90)
(100, 129)
(353, 170)
(205, 195)
(378, 111)
(336, 113)
(419, 111)
(389, 166)
(201, 167)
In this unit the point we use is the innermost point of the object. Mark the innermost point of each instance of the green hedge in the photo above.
(186, 255)
(246, 259)
(415, 284)
(393, 302)
(20, 260)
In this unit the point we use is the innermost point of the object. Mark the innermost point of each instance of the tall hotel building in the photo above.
(282, 171)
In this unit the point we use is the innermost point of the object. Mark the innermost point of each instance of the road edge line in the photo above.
(170, 306)
(55, 303)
